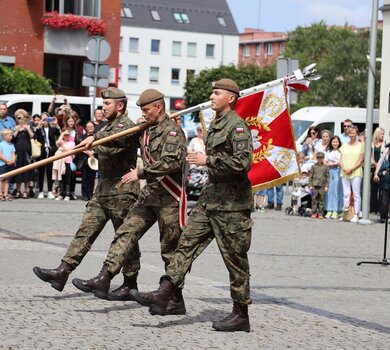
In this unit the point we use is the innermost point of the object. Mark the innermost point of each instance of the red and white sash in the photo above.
(178, 192)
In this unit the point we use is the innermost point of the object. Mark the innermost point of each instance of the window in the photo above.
(154, 72)
(121, 44)
(132, 73)
(246, 50)
(281, 48)
(155, 46)
(221, 21)
(126, 13)
(176, 48)
(269, 49)
(133, 44)
(190, 73)
(89, 8)
(181, 18)
(210, 50)
(175, 75)
(258, 50)
(191, 49)
(155, 15)
(120, 73)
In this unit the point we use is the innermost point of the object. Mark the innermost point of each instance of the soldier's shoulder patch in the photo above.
(241, 144)
(239, 130)
(120, 126)
(171, 147)
(172, 133)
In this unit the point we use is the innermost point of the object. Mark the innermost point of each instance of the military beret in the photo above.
(149, 96)
(114, 93)
(320, 155)
(226, 84)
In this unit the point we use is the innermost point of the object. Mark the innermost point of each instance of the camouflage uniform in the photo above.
(167, 146)
(319, 178)
(110, 201)
(223, 209)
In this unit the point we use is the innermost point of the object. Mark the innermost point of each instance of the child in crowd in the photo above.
(260, 200)
(62, 168)
(334, 197)
(319, 182)
(7, 160)
(384, 176)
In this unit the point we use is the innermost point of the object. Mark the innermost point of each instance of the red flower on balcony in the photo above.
(73, 22)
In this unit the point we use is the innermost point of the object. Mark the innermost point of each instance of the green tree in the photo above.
(21, 81)
(341, 57)
(198, 88)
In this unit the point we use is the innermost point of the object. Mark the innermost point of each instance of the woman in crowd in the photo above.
(75, 131)
(333, 201)
(47, 132)
(324, 143)
(22, 140)
(377, 149)
(352, 157)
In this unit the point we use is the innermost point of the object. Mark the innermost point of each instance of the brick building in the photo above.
(258, 46)
(56, 54)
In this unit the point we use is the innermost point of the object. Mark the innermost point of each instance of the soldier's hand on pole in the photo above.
(86, 143)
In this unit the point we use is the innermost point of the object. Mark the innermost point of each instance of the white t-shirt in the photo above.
(332, 156)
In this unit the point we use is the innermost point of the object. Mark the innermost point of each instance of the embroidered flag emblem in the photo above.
(120, 126)
(239, 129)
(172, 133)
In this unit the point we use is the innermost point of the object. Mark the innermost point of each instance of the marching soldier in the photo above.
(222, 212)
(110, 202)
(163, 151)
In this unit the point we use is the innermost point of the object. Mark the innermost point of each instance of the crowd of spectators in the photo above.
(54, 131)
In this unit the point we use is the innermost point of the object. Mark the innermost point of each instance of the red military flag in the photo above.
(274, 154)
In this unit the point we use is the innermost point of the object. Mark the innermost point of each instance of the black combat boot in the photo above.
(157, 300)
(238, 320)
(123, 291)
(56, 277)
(99, 285)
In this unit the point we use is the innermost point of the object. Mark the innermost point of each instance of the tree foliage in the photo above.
(198, 88)
(341, 57)
(21, 81)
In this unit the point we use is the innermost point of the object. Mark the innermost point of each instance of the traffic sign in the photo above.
(98, 49)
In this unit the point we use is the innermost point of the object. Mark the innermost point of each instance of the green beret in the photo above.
(320, 155)
(226, 84)
(149, 96)
(113, 93)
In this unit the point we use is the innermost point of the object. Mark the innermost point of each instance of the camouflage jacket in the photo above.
(319, 175)
(116, 159)
(229, 158)
(167, 145)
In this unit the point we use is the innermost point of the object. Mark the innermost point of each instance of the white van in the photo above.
(36, 104)
(330, 118)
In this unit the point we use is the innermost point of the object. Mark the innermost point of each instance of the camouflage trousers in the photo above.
(232, 231)
(138, 221)
(99, 211)
(318, 199)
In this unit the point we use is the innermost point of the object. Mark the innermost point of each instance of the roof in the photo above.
(199, 15)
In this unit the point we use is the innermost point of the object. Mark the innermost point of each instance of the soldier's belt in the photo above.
(228, 178)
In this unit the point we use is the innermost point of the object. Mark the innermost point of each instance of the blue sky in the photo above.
(286, 15)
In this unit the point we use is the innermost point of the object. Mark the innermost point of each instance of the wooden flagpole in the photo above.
(73, 151)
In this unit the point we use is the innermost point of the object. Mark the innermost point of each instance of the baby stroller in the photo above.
(300, 199)
(197, 178)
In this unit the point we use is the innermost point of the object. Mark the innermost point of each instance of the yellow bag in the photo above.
(35, 148)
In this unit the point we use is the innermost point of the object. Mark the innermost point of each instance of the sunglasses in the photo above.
(347, 126)
(313, 133)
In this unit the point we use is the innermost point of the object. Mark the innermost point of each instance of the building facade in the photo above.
(164, 42)
(53, 51)
(260, 47)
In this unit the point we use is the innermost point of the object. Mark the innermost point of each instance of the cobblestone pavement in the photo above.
(307, 290)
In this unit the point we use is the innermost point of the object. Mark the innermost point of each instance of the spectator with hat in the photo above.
(319, 183)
